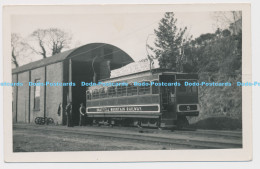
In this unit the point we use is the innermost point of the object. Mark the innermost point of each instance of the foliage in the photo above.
(216, 57)
(169, 43)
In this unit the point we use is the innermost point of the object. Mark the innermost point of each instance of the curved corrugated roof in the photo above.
(82, 51)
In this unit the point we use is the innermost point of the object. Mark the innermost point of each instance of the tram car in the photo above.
(162, 101)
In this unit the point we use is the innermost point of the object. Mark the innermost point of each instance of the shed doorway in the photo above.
(81, 72)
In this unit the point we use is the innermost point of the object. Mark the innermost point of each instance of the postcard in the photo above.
(127, 83)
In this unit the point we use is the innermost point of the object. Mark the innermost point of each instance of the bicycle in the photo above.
(44, 120)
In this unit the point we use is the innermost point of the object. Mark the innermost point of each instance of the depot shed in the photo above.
(87, 63)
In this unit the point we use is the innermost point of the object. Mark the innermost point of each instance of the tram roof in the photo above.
(160, 71)
(145, 73)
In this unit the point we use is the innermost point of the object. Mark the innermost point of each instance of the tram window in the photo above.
(95, 94)
(88, 95)
(111, 91)
(103, 93)
(144, 89)
(134, 90)
(182, 87)
(164, 89)
(189, 89)
(131, 90)
(121, 90)
(155, 89)
(194, 89)
(172, 89)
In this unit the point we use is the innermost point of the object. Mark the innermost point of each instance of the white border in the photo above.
(224, 157)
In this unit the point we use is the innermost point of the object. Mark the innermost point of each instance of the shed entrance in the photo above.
(90, 63)
(81, 72)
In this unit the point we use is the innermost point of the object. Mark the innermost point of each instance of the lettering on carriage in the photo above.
(134, 108)
(103, 109)
(112, 109)
(125, 109)
(117, 109)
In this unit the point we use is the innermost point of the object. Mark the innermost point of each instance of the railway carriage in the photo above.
(156, 98)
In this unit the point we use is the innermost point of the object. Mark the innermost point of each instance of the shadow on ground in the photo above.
(218, 123)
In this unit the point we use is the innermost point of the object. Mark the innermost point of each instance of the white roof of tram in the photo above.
(134, 67)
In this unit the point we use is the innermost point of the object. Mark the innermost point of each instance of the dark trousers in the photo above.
(81, 120)
(69, 121)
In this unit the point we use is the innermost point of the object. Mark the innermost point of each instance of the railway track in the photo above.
(196, 140)
(217, 133)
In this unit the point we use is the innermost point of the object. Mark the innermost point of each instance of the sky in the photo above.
(128, 31)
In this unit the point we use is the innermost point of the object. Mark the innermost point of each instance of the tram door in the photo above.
(168, 99)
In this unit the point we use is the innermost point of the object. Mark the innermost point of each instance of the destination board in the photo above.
(137, 108)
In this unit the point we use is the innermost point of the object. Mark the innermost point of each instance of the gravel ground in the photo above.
(33, 141)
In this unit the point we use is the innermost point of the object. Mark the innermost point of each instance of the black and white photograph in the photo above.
(128, 79)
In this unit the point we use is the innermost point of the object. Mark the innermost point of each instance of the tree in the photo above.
(169, 43)
(59, 40)
(40, 35)
(229, 20)
(50, 41)
(219, 52)
(217, 57)
(18, 48)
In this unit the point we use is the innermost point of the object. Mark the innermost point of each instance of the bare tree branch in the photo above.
(50, 41)
(17, 48)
